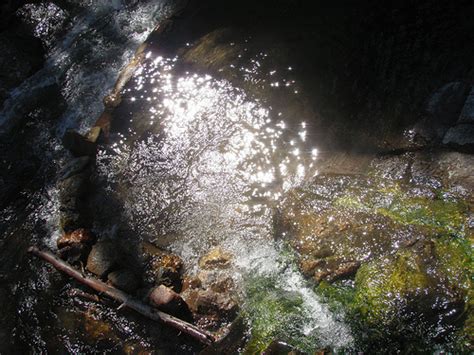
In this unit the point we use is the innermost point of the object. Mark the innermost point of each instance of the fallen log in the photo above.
(125, 299)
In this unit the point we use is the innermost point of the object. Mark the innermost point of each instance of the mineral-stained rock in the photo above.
(163, 267)
(190, 282)
(430, 279)
(217, 258)
(103, 258)
(79, 236)
(125, 280)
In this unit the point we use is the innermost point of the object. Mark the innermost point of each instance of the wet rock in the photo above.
(71, 197)
(190, 282)
(44, 21)
(70, 220)
(112, 100)
(442, 111)
(95, 135)
(73, 167)
(72, 188)
(166, 300)
(336, 225)
(467, 113)
(20, 57)
(214, 305)
(79, 236)
(78, 145)
(461, 137)
(278, 347)
(430, 280)
(163, 267)
(125, 280)
(217, 258)
(103, 258)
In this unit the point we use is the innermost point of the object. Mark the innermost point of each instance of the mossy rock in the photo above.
(412, 300)
(340, 219)
(274, 314)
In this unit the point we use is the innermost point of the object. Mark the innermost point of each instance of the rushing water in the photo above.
(211, 168)
(195, 161)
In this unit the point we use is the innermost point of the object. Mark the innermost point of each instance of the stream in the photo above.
(233, 136)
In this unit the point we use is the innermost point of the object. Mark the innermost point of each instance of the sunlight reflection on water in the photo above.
(211, 170)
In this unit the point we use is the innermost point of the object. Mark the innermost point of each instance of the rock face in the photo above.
(467, 113)
(443, 109)
(391, 244)
(460, 136)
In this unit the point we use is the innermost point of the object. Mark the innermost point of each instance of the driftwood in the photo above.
(125, 299)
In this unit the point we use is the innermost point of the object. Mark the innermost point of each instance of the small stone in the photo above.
(125, 280)
(191, 283)
(216, 259)
(73, 167)
(78, 145)
(79, 236)
(166, 300)
(103, 258)
(213, 303)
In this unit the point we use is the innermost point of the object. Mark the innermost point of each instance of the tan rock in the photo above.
(217, 258)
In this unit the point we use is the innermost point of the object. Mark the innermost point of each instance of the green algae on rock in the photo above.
(274, 314)
(419, 295)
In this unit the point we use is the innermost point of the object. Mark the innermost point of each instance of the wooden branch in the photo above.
(125, 299)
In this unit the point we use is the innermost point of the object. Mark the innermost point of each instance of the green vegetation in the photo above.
(274, 314)
(395, 298)
(442, 216)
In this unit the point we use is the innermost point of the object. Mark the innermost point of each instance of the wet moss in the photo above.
(442, 216)
(274, 314)
(411, 300)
